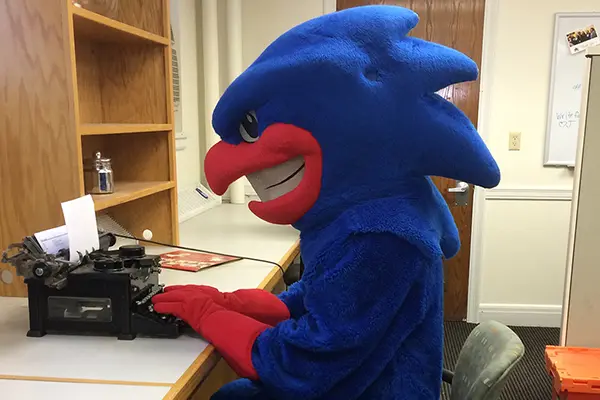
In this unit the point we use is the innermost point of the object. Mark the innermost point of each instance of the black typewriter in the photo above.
(107, 292)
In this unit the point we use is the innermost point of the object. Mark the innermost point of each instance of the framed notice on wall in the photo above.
(176, 53)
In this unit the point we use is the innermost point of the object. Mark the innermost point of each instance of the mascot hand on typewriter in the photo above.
(231, 332)
(254, 303)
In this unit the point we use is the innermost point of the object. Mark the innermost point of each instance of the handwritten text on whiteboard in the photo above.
(567, 119)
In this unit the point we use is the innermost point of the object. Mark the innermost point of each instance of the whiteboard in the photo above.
(566, 80)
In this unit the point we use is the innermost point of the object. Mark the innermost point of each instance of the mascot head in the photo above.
(343, 109)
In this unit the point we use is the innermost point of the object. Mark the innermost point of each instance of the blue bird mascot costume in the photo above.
(338, 127)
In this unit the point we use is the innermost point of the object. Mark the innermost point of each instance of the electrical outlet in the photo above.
(514, 141)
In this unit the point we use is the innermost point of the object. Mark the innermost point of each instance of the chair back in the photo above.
(485, 361)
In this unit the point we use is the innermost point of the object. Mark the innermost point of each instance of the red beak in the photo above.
(225, 163)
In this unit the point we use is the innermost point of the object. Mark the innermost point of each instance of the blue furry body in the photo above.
(367, 315)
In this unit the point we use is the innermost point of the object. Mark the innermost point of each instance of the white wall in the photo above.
(524, 242)
(188, 159)
(264, 20)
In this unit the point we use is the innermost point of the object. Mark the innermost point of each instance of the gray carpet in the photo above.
(529, 380)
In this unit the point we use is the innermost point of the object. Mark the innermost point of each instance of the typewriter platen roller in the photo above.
(108, 292)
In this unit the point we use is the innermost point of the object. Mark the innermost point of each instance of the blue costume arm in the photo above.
(349, 310)
(293, 298)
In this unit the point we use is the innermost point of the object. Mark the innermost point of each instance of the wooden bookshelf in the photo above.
(81, 82)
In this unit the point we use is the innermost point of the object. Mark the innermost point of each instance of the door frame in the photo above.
(329, 6)
(483, 127)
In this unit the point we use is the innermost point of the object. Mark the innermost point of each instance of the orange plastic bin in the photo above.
(575, 372)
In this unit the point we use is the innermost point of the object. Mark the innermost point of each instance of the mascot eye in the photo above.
(249, 127)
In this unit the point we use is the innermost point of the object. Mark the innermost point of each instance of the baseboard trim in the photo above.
(548, 315)
(547, 194)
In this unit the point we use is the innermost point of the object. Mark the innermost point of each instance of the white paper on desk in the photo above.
(80, 219)
(53, 240)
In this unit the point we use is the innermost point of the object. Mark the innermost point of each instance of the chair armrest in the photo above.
(447, 376)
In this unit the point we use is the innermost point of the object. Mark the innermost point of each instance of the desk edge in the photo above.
(206, 361)
(81, 380)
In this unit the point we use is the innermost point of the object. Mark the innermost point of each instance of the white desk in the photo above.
(232, 229)
(129, 365)
(17, 389)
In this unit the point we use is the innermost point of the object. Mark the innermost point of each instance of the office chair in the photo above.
(294, 272)
(485, 361)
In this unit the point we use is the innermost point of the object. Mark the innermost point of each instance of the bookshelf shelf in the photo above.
(129, 191)
(99, 28)
(117, 129)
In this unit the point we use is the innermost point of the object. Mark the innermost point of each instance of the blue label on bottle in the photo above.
(103, 182)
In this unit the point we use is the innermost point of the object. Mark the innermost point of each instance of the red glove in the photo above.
(255, 303)
(232, 333)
